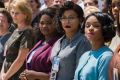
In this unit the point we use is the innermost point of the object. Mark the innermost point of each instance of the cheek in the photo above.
(52, 29)
(40, 27)
(85, 30)
(98, 33)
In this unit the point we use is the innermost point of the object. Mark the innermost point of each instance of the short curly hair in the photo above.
(69, 5)
(107, 25)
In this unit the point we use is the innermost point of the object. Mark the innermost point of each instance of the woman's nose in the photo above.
(91, 28)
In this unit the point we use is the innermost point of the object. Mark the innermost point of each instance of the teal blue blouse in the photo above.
(93, 65)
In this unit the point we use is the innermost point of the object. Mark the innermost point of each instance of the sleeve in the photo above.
(27, 40)
(103, 66)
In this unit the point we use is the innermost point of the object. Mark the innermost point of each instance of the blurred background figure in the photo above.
(35, 6)
(116, 15)
(58, 2)
(79, 2)
(7, 4)
(90, 3)
(47, 3)
(5, 22)
(42, 2)
(104, 6)
(2, 4)
(115, 44)
(90, 9)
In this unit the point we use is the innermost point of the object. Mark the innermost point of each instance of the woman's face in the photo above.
(93, 29)
(33, 5)
(3, 22)
(47, 26)
(18, 16)
(70, 22)
(89, 3)
(116, 9)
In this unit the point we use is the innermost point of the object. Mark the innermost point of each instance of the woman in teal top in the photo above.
(93, 64)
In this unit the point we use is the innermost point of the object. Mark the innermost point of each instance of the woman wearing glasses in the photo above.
(68, 49)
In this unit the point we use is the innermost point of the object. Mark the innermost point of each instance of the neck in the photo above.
(34, 11)
(22, 26)
(70, 35)
(97, 44)
(47, 38)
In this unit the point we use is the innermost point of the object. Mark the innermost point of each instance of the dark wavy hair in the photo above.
(51, 12)
(69, 5)
(7, 14)
(107, 25)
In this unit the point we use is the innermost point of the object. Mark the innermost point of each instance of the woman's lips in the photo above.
(90, 34)
(67, 26)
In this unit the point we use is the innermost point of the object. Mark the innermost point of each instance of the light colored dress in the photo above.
(94, 65)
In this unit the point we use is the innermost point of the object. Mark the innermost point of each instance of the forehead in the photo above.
(92, 19)
(2, 16)
(69, 12)
(115, 1)
(88, 0)
(45, 17)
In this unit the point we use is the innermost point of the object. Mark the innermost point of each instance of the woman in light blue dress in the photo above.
(94, 64)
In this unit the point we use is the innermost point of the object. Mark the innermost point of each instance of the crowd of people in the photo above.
(60, 40)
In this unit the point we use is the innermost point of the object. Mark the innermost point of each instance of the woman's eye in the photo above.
(87, 26)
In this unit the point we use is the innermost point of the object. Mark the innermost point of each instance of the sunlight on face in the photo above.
(93, 29)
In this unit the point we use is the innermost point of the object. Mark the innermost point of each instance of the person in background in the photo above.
(105, 6)
(116, 14)
(47, 3)
(90, 9)
(79, 2)
(42, 2)
(94, 64)
(7, 4)
(2, 4)
(39, 66)
(114, 69)
(58, 2)
(68, 49)
(35, 5)
(115, 44)
(5, 21)
(90, 3)
(19, 43)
